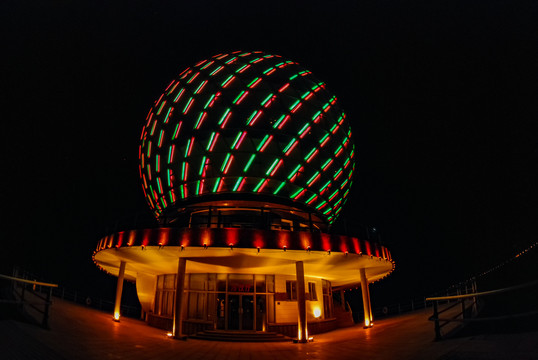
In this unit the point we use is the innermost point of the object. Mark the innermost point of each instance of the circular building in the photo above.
(245, 161)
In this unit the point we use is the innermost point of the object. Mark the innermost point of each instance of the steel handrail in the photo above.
(33, 282)
(483, 293)
(461, 300)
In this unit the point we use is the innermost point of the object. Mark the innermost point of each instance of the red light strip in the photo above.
(188, 106)
(168, 114)
(193, 77)
(176, 133)
(283, 122)
(189, 147)
(290, 149)
(227, 167)
(181, 92)
(255, 83)
(240, 140)
(312, 156)
(213, 141)
(266, 143)
(241, 98)
(201, 119)
(201, 87)
(255, 115)
(228, 116)
(284, 87)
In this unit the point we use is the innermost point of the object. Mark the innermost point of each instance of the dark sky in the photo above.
(441, 96)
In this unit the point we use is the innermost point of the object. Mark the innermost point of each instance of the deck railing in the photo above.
(469, 305)
(34, 294)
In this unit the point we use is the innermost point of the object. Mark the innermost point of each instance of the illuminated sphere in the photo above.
(247, 126)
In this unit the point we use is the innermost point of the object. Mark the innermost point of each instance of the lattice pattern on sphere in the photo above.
(247, 123)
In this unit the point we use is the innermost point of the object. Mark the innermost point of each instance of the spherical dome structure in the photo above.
(250, 126)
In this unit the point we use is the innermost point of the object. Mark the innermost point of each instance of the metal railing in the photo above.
(34, 294)
(469, 309)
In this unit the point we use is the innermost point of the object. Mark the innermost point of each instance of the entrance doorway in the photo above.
(240, 312)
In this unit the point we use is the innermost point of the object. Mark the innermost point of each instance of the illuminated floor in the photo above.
(81, 333)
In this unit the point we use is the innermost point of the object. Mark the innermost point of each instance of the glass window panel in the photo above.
(240, 283)
(198, 281)
(270, 283)
(260, 283)
(160, 281)
(221, 282)
(169, 281)
(211, 282)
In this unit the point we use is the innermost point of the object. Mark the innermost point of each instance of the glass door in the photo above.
(240, 312)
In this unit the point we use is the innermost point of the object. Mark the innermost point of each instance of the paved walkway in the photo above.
(82, 333)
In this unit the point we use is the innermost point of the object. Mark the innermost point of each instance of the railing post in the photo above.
(463, 308)
(436, 321)
(45, 322)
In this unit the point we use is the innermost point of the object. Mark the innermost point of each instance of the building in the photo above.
(246, 160)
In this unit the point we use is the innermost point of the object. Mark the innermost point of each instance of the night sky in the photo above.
(441, 97)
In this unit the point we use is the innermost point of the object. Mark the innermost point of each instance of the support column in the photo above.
(342, 299)
(119, 290)
(302, 330)
(367, 306)
(178, 308)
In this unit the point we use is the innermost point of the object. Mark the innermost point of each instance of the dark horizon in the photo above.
(440, 97)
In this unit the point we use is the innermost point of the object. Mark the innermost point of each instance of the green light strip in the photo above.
(259, 185)
(294, 171)
(279, 188)
(202, 165)
(225, 162)
(237, 183)
(297, 192)
(289, 145)
(272, 166)
(247, 166)
(260, 145)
